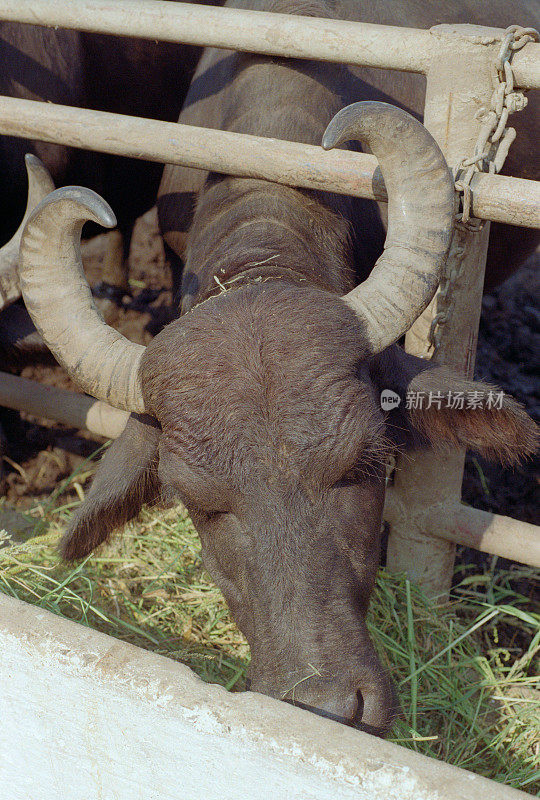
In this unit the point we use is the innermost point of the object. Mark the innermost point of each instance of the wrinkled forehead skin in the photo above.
(274, 441)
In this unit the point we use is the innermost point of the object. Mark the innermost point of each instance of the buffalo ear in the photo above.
(441, 409)
(498, 428)
(126, 478)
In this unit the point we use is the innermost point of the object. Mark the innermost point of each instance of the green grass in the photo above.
(466, 672)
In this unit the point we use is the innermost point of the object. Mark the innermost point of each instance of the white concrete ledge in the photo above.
(84, 716)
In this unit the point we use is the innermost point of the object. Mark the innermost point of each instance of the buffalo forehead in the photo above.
(270, 374)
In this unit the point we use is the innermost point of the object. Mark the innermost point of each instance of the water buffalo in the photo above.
(259, 407)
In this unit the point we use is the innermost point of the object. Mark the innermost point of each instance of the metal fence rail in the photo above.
(236, 29)
(495, 197)
(339, 41)
(69, 408)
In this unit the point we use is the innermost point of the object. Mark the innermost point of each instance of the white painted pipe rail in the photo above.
(340, 41)
(472, 527)
(236, 29)
(86, 716)
(495, 197)
(501, 198)
(69, 408)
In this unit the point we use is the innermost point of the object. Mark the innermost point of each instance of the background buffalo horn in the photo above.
(420, 216)
(98, 358)
(39, 185)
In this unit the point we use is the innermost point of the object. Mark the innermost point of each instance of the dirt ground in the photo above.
(38, 456)
(509, 355)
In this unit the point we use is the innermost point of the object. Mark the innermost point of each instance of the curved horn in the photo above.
(102, 361)
(39, 185)
(420, 217)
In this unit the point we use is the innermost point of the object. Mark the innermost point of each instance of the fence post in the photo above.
(458, 84)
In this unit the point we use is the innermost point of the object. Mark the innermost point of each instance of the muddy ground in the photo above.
(38, 456)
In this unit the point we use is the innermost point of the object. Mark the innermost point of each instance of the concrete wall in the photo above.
(86, 717)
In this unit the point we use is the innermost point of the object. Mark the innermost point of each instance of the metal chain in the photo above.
(494, 138)
(444, 294)
(490, 151)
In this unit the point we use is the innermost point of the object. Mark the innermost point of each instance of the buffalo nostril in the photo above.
(360, 706)
(375, 712)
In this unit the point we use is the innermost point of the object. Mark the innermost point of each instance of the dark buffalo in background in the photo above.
(108, 73)
(151, 79)
(509, 246)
